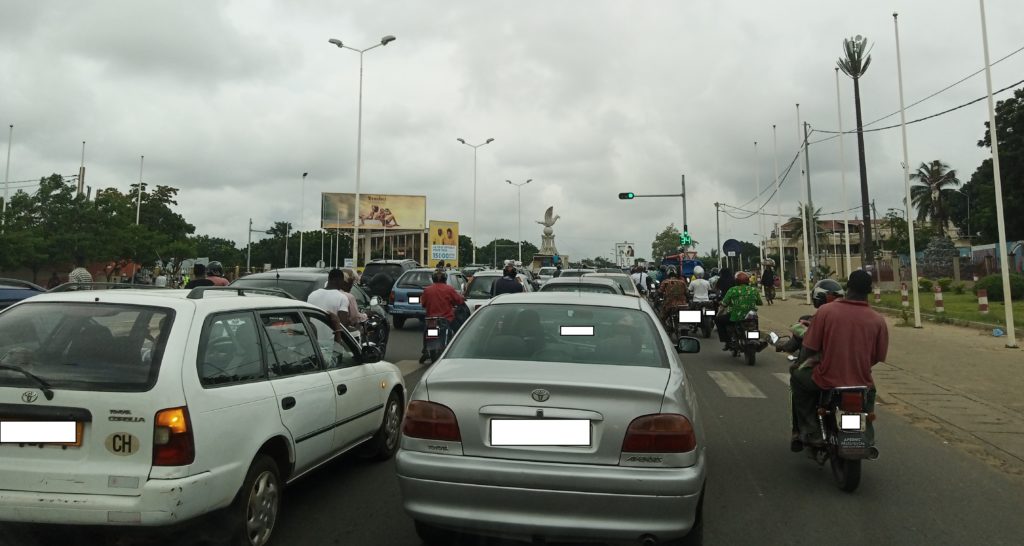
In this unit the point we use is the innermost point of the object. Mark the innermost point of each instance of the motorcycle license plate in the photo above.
(540, 432)
(754, 335)
(709, 312)
(689, 317)
(433, 332)
(851, 421)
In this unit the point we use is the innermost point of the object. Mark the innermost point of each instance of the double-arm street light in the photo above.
(248, 248)
(519, 192)
(359, 139)
(472, 238)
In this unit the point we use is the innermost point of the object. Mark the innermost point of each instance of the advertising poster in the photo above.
(444, 243)
(376, 211)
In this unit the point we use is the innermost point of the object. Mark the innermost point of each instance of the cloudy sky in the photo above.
(232, 101)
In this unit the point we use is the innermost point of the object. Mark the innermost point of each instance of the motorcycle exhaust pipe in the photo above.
(872, 453)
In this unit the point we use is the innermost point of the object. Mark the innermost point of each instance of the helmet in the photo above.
(671, 272)
(742, 278)
(215, 268)
(509, 270)
(699, 272)
(714, 271)
(827, 290)
(439, 276)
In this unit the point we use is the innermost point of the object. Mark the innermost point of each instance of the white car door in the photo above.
(358, 394)
(305, 393)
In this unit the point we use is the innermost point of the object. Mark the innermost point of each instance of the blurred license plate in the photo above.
(689, 317)
(540, 432)
(40, 432)
(414, 299)
(433, 332)
(849, 421)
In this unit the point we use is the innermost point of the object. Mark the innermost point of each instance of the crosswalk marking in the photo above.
(784, 377)
(734, 385)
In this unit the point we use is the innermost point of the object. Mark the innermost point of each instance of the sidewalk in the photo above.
(963, 385)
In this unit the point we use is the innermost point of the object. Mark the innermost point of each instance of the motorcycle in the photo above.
(708, 311)
(375, 330)
(745, 338)
(682, 320)
(844, 417)
(437, 333)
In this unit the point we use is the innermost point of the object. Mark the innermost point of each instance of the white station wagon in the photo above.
(152, 407)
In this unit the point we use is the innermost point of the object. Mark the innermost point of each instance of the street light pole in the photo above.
(7, 173)
(302, 215)
(359, 140)
(474, 146)
(803, 213)
(138, 194)
(906, 180)
(842, 171)
(1011, 340)
(519, 196)
(778, 214)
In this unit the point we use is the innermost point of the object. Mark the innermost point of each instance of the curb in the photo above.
(898, 313)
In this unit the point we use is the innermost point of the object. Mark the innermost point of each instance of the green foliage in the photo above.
(945, 283)
(924, 284)
(665, 243)
(994, 285)
(499, 250)
(958, 287)
(934, 192)
(900, 241)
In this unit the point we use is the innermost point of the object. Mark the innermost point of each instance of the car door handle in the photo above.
(287, 403)
(342, 389)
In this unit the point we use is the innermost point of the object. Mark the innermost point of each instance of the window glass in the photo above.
(229, 350)
(291, 347)
(84, 346)
(416, 279)
(480, 288)
(337, 354)
(299, 289)
(590, 288)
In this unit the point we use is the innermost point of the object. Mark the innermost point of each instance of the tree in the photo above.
(500, 250)
(804, 212)
(465, 249)
(895, 223)
(665, 243)
(933, 194)
(218, 249)
(854, 64)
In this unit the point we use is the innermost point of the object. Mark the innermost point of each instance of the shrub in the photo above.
(958, 288)
(924, 284)
(994, 285)
(945, 283)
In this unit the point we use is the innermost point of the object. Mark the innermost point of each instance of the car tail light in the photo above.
(660, 433)
(391, 298)
(851, 402)
(431, 421)
(172, 438)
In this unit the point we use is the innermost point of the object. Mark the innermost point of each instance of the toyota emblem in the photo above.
(540, 395)
(29, 397)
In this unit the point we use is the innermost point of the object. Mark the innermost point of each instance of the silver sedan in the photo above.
(564, 416)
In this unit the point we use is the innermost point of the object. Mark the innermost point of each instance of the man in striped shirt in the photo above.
(80, 274)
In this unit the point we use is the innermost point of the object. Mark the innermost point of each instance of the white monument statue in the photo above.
(548, 239)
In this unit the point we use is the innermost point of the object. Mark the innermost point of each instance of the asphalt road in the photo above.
(920, 491)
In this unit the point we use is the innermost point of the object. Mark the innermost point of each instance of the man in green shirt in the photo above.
(741, 299)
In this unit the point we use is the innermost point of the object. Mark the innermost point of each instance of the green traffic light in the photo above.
(627, 195)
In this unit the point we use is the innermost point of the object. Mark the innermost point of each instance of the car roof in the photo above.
(569, 298)
(598, 281)
(604, 274)
(292, 273)
(394, 262)
(178, 299)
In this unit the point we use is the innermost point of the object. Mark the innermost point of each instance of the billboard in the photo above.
(376, 211)
(444, 243)
(624, 254)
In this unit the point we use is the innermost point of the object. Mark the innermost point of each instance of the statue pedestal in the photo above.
(548, 260)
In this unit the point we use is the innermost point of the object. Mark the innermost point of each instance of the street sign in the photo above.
(731, 254)
(349, 262)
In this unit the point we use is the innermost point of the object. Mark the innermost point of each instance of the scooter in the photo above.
(844, 418)
(745, 338)
(436, 335)
(708, 311)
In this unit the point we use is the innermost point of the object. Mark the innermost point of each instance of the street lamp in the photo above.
(302, 216)
(248, 248)
(474, 146)
(519, 192)
(359, 139)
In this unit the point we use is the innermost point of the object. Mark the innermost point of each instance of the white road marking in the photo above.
(784, 377)
(735, 385)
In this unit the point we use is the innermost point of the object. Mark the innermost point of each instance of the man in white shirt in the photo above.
(700, 288)
(332, 300)
(639, 277)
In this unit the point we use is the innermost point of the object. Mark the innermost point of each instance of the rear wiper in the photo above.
(43, 385)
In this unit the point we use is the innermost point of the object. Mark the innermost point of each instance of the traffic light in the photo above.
(627, 195)
(685, 239)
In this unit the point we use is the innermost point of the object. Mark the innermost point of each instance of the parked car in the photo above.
(585, 283)
(504, 431)
(478, 293)
(166, 405)
(393, 269)
(405, 296)
(15, 290)
(575, 272)
(623, 280)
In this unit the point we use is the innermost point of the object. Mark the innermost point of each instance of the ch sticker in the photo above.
(122, 443)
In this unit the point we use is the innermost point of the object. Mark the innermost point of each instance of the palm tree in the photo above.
(804, 211)
(855, 64)
(933, 195)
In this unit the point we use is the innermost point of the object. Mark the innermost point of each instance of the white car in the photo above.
(152, 407)
(478, 291)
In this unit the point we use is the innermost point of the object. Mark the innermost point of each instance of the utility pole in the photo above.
(778, 214)
(718, 235)
(683, 195)
(810, 200)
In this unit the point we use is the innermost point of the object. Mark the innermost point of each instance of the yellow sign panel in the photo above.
(444, 243)
(400, 212)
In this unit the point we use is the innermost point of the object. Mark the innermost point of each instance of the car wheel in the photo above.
(399, 322)
(258, 502)
(384, 443)
(434, 536)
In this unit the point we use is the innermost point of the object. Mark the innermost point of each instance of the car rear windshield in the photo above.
(577, 273)
(480, 287)
(547, 271)
(576, 287)
(415, 279)
(299, 289)
(625, 282)
(372, 270)
(578, 334)
(84, 346)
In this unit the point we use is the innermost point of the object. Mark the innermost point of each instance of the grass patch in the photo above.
(958, 306)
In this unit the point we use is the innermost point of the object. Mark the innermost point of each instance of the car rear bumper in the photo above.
(161, 502)
(523, 499)
(406, 310)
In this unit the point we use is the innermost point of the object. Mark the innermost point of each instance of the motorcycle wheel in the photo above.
(751, 355)
(846, 473)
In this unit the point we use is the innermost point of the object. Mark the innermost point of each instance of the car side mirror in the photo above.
(689, 345)
(375, 300)
(773, 337)
(370, 353)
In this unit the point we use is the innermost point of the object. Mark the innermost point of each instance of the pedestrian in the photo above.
(215, 272)
(845, 339)
(54, 281)
(331, 299)
(161, 280)
(80, 274)
(198, 277)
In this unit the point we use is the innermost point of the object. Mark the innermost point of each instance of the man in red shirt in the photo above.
(439, 300)
(845, 340)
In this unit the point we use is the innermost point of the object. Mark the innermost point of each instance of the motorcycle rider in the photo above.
(700, 288)
(215, 272)
(736, 303)
(845, 340)
(726, 281)
(713, 279)
(508, 283)
(640, 279)
(439, 300)
(674, 290)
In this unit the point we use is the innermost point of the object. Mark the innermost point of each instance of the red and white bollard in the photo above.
(878, 295)
(939, 307)
(904, 295)
(983, 301)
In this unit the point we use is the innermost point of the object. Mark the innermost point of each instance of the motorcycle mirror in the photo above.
(689, 345)
(370, 353)
(375, 300)
(773, 337)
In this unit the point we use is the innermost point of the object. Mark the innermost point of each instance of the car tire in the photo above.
(257, 505)
(434, 536)
(399, 322)
(384, 443)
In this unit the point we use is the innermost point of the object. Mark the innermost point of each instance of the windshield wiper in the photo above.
(43, 385)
